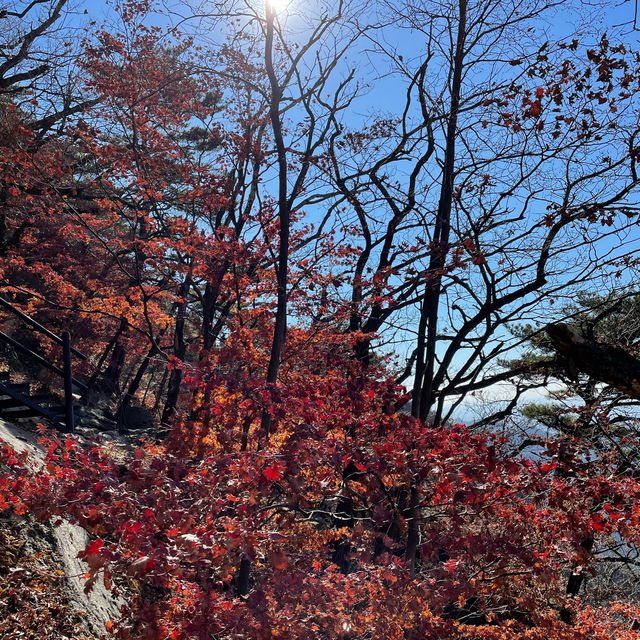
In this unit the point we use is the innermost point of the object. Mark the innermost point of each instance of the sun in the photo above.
(279, 6)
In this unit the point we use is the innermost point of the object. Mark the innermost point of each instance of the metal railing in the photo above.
(67, 353)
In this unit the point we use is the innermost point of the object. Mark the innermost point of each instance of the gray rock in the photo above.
(99, 604)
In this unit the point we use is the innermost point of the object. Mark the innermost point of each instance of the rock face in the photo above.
(99, 605)
(137, 418)
(97, 413)
(89, 418)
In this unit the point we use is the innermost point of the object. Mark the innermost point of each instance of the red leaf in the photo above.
(94, 547)
(272, 474)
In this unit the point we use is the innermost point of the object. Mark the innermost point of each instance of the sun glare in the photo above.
(279, 6)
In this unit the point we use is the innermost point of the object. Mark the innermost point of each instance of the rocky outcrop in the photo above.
(99, 605)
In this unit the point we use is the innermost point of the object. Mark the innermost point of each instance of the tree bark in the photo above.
(606, 363)
(423, 389)
(280, 326)
(179, 351)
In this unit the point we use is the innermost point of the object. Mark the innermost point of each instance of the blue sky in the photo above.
(382, 86)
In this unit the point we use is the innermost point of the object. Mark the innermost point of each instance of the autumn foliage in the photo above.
(308, 535)
(138, 218)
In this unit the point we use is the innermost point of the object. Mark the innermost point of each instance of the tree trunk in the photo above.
(280, 326)
(115, 366)
(423, 385)
(135, 384)
(179, 351)
(606, 363)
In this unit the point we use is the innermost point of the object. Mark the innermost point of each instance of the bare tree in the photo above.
(503, 185)
(38, 51)
(293, 67)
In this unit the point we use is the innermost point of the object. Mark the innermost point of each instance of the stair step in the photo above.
(19, 404)
(19, 412)
(7, 402)
(20, 387)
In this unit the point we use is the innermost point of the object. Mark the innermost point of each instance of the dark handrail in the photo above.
(36, 325)
(28, 402)
(43, 361)
(67, 350)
